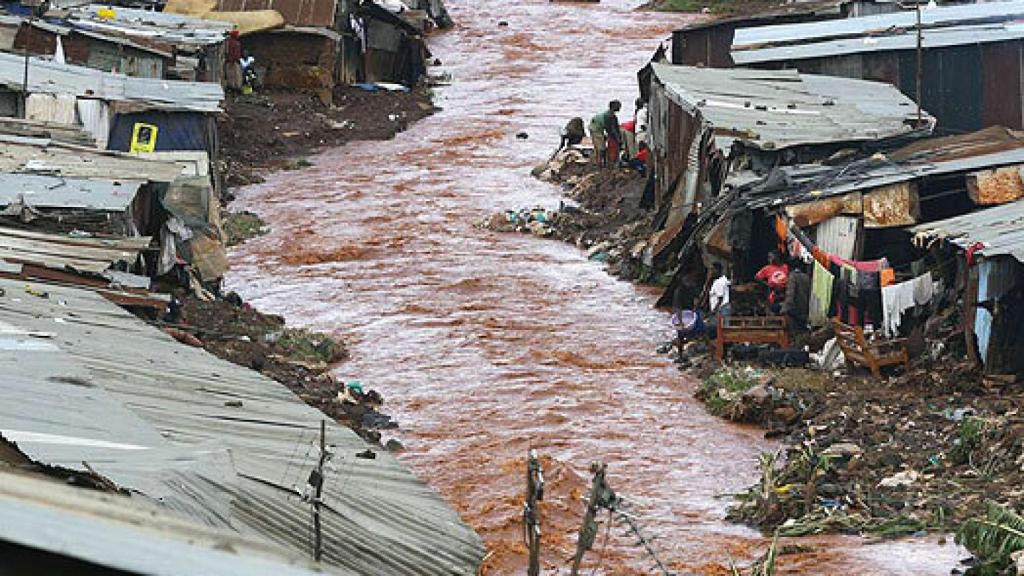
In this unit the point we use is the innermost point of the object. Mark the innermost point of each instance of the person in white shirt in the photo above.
(718, 296)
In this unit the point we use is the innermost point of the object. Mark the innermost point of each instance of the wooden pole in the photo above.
(588, 530)
(920, 60)
(28, 42)
(531, 514)
(318, 539)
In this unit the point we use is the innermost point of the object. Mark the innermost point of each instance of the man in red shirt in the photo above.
(232, 62)
(639, 162)
(774, 275)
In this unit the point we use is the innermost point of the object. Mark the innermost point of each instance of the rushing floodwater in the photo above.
(485, 345)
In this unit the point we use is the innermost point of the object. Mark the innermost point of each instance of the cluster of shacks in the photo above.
(825, 133)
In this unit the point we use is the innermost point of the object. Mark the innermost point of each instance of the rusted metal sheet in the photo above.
(881, 67)
(996, 186)
(703, 47)
(813, 213)
(1001, 73)
(892, 206)
(294, 60)
(318, 13)
(884, 207)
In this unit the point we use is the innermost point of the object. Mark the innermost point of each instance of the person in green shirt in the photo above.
(604, 132)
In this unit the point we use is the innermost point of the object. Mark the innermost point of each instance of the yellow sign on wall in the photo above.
(143, 137)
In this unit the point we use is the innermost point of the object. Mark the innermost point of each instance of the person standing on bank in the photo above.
(233, 62)
(718, 295)
(774, 275)
(601, 126)
(798, 298)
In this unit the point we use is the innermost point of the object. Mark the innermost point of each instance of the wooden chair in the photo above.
(874, 354)
(750, 330)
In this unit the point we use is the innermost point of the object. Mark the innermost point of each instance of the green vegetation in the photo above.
(720, 7)
(311, 346)
(993, 539)
(721, 391)
(242, 226)
(786, 499)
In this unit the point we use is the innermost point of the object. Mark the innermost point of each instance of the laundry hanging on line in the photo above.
(821, 295)
(899, 298)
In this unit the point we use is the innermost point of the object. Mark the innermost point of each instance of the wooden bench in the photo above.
(873, 354)
(750, 330)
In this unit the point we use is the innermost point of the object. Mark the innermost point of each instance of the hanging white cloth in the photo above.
(58, 53)
(95, 117)
(924, 288)
(896, 300)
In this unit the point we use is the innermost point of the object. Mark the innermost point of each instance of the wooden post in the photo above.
(531, 514)
(318, 538)
(920, 60)
(588, 530)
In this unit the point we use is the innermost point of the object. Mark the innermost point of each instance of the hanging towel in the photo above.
(924, 288)
(821, 294)
(896, 300)
(887, 277)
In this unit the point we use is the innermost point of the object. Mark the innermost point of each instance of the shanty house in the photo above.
(61, 188)
(971, 60)
(93, 49)
(709, 125)
(330, 42)
(708, 43)
(197, 44)
(862, 211)
(989, 245)
(121, 112)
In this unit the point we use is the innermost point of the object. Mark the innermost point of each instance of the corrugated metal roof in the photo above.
(880, 23)
(319, 13)
(156, 26)
(61, 251)
(777, 109)
(989, 148)
(160, 417)
(902, 40)
(124, 533)
(999, 229)
(810, 9)
(61, 29)
(42, 156)
(49, 77)
(54, 192)
(28, 128)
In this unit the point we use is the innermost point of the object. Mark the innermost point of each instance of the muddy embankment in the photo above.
(919, 451)
(265, 132)
(601, 214)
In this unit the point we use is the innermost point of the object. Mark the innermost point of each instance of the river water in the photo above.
(485, 345)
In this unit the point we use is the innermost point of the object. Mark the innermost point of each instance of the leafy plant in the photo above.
(993, 538)
(722, 390)
(969, 437)
(766, 566)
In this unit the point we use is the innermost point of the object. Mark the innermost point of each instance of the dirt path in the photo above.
(486, 344)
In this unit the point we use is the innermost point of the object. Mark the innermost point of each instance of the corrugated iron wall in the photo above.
(965, 87)
(1002, 68)
(710, 47)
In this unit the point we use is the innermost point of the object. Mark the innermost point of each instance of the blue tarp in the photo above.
(175, 130)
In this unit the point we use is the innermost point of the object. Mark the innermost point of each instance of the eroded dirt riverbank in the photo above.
(484, 344)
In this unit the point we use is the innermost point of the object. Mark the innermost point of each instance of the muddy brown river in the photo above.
(485, 345)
